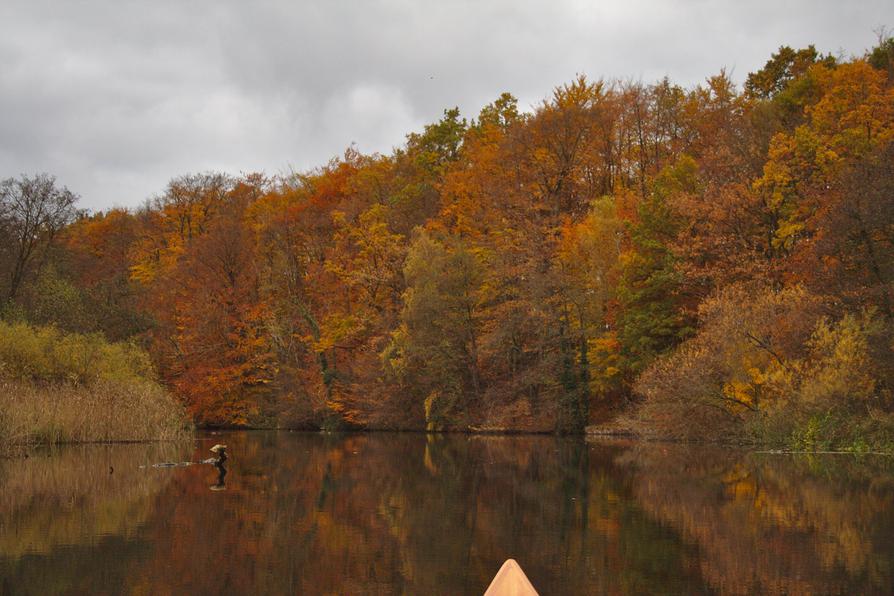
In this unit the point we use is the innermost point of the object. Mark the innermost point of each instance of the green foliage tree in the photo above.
(783, 67)
(882, 55)
(435, 351)
(652, 318)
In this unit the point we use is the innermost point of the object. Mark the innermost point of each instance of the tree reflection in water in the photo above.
(438, 514)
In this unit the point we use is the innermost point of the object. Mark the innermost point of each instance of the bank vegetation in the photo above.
(71, 388)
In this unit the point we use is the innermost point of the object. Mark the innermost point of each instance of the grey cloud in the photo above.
(117, 97)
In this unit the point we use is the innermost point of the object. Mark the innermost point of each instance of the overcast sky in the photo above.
(115, 97)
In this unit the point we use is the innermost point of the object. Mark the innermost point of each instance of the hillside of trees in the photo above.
(711, 262)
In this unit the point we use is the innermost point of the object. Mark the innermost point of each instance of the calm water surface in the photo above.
(414, 514)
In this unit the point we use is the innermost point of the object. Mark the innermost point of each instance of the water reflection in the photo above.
(416, 514)
(775, 523)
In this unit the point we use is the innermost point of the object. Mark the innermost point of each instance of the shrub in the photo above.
(44, 354)
(717, 382)
(766, 366)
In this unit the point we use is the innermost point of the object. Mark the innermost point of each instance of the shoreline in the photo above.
(24, 450)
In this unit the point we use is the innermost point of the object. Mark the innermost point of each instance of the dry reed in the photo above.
(104, 411)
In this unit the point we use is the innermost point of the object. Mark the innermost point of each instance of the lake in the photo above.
(383, 513)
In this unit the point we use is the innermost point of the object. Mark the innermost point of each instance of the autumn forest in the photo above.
(704, 263)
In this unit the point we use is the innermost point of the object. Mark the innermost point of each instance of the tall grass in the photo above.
(103, 411)
(65, 388)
